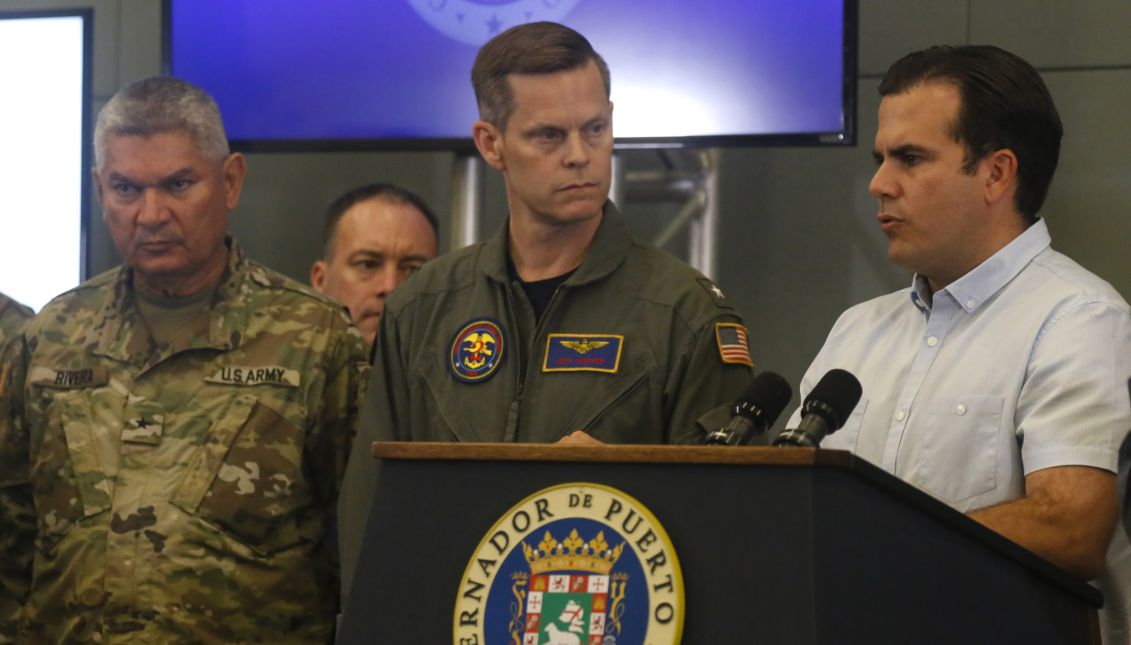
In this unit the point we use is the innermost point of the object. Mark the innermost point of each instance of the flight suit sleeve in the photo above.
(17, 512)
(704, 384)
(382, 419)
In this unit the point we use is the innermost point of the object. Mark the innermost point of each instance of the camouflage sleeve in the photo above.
(710, 374)
(388, 392)
(17, 513)
(328, 444)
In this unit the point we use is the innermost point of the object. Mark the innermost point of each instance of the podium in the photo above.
(776, 545)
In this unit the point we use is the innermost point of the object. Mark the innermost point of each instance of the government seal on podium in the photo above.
(573, 564)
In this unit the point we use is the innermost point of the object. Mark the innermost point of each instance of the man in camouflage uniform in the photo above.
(12, 315)
(562, 327)
(177, 426)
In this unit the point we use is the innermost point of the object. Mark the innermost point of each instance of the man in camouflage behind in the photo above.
(177, 427)
(12, 315)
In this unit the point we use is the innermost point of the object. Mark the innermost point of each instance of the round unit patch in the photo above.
(574, 563)
(477, 351)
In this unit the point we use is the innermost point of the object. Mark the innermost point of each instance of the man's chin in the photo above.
(368, 326)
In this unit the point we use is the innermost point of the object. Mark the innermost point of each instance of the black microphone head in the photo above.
(764, 399)
(834, 397)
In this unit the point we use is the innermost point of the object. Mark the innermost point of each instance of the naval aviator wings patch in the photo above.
(583, 353)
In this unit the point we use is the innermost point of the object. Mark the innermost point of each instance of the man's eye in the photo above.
(178, 185)
(412, 268)
(548, 135)
(597, 129)
(368, 265)
(124, 190)
(910, 159)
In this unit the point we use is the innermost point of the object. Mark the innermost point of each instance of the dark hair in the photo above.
(1005, 104)
(532, 48)
(360, 194)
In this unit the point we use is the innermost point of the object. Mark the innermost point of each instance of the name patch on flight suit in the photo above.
(69, 379)
(477, 351)
(583, 353)
(255, 375)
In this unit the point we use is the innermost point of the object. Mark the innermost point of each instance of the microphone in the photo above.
(825, 410)
(754, 411)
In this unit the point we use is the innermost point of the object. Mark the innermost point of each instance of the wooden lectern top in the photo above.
(618, 453)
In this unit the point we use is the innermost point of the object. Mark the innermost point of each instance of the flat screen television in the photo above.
(395, 74)
(45, 65)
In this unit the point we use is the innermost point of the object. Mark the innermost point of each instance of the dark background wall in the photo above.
(798, 241)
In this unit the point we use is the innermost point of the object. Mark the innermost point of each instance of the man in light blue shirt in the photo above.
(998, 381)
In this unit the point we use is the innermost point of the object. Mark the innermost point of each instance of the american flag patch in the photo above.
(733, 346)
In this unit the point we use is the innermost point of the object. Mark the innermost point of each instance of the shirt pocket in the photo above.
(70, 484)
(247, 478)
(959, 458)
(621, 411)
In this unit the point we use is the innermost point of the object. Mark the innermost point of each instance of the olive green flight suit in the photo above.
(670, 370)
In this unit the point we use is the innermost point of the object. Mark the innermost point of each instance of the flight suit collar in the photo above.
(123, 335)
(608, 250)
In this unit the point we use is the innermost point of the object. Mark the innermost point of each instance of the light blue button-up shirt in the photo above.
(1021, 364)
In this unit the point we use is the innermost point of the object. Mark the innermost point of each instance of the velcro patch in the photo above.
(583, 353)
(255, 375)
(69, 379)
(733, 346)
(144, 430)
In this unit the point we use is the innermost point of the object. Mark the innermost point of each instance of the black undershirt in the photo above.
(538, 292)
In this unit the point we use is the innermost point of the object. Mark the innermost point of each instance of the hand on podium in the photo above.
(580, 438)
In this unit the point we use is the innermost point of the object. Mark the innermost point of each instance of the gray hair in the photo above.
(160, 105)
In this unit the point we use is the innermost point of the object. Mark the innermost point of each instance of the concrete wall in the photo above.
(799, 241)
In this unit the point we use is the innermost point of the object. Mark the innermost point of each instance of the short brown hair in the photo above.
(532, 48)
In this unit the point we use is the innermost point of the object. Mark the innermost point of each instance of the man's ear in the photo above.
(318, 276)
(1001, 181)
(489, 142)
(234, 169)
(98, 187)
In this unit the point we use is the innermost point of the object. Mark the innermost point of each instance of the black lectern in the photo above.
(775, 545)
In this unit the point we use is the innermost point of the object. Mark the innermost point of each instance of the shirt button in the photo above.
(970, 304)
(961, 409)
(900, 415)
(932, 341)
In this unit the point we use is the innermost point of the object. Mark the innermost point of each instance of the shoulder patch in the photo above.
(476, 351)
(733, 344)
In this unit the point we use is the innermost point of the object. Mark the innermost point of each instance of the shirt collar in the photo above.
(606, 252)
(983, 281)
(124, 336)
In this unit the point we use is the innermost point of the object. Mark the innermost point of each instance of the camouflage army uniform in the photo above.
(670, 370)
(12, 316)
(180, 496)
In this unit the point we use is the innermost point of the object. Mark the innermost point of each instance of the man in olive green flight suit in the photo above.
(176, 429)
(562, 327)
